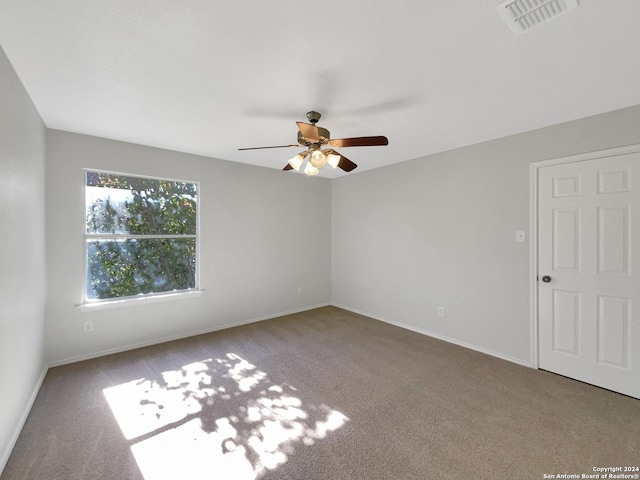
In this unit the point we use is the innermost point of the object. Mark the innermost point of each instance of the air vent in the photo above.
(523, 15)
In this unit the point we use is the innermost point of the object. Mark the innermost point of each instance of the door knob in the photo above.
(546, 279)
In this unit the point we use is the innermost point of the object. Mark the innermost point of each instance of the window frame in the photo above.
(86, 237)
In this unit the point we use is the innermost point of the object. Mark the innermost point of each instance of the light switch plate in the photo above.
(521, 236)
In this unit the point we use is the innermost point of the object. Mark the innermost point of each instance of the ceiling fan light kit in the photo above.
(296, 162)
(313, 137)
(318, 159)
(311, 170)
(333, 159)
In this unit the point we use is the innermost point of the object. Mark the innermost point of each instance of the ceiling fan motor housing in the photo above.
(323, 133)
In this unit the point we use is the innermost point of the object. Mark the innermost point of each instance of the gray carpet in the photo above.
(324, 394)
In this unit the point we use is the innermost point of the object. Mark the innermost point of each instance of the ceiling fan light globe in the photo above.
(333, 159)
(310, 169)
(318, 159)
(296, 162)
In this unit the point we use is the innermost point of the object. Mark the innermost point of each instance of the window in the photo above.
(140, 236)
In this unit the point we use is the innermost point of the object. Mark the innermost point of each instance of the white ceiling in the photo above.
(210, 76)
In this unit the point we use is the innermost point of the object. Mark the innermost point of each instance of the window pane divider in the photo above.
(124, 236)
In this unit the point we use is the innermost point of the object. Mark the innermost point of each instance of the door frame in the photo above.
(534, 170)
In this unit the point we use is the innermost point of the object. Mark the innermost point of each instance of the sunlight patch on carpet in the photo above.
(217, 418)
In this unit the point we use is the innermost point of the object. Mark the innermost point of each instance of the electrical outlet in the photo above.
(299, 290)
(88, 326)
(442, 312)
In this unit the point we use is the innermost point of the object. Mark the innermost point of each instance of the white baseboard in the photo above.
(438, 336)
(4, 456)
(156, 341)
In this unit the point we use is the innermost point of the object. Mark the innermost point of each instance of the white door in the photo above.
(589, 271)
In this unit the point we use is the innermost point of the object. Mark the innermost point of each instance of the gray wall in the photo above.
(263, 234)
(440, 231)
(22, 245)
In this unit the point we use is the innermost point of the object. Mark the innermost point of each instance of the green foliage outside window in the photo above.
(140, 235)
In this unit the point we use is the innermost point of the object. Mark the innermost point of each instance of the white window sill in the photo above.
(143, 300)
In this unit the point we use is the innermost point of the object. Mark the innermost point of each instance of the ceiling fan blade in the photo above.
(346, 164)
(275, 146)
(310, 132)
(359, 141)
(287, 167)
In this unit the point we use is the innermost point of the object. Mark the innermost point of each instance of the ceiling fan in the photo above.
(314, 138)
